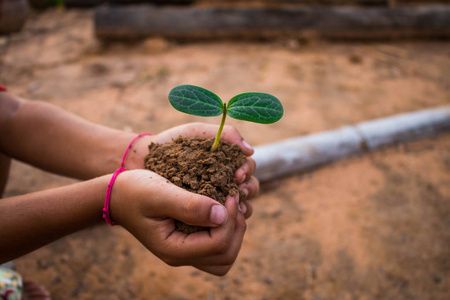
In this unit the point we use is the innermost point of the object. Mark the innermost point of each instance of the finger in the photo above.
(225, 233)
(33, 290)
(188, 249)
(250, 187)
(193, 209)
(248, 211)
(215, 270)
(245, 171)
(169, 200)
(191, 130)
(232, 136)
(202, 130)
(228, 257)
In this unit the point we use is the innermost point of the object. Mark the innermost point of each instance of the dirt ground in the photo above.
(370, 227)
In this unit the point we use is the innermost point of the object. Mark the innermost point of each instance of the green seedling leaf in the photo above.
(195, 101)
(255, 107)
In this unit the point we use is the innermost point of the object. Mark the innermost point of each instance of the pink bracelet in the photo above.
(106, 214)
(129, 146)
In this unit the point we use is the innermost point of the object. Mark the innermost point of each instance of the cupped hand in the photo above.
(136, 155)
(244, 175)
(147, 205)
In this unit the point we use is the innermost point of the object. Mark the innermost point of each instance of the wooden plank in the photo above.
(138, 21)
(329, 2)
(303, 153)
(92, 3)
(40, 4)
(13, 14)
(83, 3)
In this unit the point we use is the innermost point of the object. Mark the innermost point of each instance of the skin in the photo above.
(142, 202)
(33, 291)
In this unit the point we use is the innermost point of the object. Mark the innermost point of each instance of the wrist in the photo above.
(127, 194)
(99, 186)
(120, 198)
(106, 210)
(136, 151)
(120, 143)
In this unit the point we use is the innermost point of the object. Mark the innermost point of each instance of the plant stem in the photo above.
(216, 141)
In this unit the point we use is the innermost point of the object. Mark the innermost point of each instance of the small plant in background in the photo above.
(57, 3)
(254, 107)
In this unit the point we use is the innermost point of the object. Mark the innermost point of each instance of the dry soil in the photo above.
(370, 227)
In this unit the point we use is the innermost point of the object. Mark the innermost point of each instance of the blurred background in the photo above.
(376, 226)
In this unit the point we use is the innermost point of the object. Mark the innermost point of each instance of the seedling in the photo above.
(254, 107)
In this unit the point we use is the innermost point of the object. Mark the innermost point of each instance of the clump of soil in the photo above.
(188, 163)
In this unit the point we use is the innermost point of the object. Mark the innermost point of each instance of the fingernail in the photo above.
(245, 191)
(243, 178)
(246, 145)
(236, 198)
(218, 214)
(243, 208)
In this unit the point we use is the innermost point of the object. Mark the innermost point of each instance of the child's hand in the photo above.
(244, 175)
(202, 130)
(147, 204)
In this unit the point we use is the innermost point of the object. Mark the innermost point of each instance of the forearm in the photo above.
(31, 221)
(55, 140)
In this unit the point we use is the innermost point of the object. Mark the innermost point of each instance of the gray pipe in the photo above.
(302, 153)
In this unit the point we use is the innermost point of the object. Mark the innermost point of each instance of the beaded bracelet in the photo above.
(106, 213)
(129, 146)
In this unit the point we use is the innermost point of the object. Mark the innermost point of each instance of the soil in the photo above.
(189, 164)
(370, 227)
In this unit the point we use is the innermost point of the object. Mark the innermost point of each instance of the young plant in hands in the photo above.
(254, 107)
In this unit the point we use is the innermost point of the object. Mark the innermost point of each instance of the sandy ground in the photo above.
(371, 227)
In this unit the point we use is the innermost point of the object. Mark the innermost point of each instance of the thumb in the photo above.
(195, 209)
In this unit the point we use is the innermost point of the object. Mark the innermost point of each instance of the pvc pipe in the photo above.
(306, 152)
